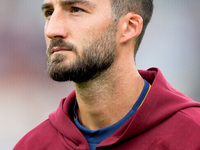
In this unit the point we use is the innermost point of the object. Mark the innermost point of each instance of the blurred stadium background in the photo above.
(28, 96)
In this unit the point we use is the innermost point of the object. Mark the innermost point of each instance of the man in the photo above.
(114, 106)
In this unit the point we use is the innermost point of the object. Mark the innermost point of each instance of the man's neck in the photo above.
(107, 99)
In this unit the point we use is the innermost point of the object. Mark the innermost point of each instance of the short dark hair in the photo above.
(144, 8)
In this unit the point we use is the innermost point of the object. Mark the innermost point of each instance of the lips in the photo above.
(59, 49)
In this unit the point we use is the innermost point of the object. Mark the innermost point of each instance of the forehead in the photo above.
(103, 7)
(70, 2)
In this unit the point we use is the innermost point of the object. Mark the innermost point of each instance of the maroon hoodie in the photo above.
(167, 120)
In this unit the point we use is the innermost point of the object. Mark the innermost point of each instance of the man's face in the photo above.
(81, 38)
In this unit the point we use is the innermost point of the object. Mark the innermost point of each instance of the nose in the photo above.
(55, 26)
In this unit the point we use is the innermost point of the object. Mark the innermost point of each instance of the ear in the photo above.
(132, 25)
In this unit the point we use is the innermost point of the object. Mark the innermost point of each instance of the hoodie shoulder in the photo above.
(44, 136)
(192, 114)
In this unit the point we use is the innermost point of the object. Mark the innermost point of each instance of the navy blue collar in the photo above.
(94, 137)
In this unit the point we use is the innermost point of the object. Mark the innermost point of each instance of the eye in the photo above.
(48, 13)
(76, 9)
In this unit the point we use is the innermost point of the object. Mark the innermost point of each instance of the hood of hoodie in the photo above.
(161, 96)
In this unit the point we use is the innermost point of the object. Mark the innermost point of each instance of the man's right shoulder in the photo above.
(44, 136)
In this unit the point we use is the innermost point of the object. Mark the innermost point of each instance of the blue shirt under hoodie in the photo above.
(94, 137)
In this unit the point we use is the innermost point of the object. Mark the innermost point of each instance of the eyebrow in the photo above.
(69, 2)
(46, 6)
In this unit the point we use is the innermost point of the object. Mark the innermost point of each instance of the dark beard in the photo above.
(96, 58)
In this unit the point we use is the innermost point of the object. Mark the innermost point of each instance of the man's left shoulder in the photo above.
(191, 114)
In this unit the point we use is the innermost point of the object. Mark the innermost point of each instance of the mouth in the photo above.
(59, 50)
